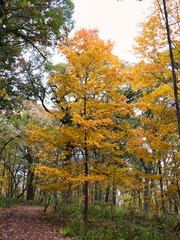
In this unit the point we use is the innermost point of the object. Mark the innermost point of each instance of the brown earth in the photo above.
(26, 223)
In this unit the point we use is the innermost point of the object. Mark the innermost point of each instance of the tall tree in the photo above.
(153, 75)
(168, 30)
(163, 9)
(158, 43)
(87, 102)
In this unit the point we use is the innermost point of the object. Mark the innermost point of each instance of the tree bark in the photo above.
(161, 187)
(30, 176)
(107, 195)
(86, 160)
(173, 66)
(146, 196)
(146, 188)
(96, 192)
(114, 193)
(30, 187)
(86, 183)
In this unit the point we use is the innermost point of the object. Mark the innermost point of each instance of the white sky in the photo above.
(115, 20)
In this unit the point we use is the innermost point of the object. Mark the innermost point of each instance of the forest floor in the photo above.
(26, 223)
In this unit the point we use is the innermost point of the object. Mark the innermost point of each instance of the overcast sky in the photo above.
(116, 20)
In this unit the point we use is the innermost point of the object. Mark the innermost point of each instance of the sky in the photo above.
(115, 20)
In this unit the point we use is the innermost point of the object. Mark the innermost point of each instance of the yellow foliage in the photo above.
(87, 101)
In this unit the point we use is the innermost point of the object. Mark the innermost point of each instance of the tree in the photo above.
(27, 25)
(16, 157)
(172, 65)
(163, 9)
(160, 46)
(8, 166)
(85, 147)
(153, 75)
(36, 23)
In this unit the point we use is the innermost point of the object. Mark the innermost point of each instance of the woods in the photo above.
(92, 135)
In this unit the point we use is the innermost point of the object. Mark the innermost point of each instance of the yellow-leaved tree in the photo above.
(159, 148)
(84, 143)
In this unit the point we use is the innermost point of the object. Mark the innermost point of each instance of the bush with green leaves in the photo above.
(110, 224)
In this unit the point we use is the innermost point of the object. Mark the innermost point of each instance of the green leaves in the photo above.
(29, 26)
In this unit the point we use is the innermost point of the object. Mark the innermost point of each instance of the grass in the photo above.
(108, 224)
(6, 202)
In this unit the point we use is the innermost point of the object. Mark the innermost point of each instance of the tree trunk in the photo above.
(3, 173)
(114, 193)
(30, 176)
(176, 209)
(30, 187)
(68, 194)
(47, 202)
(78, 191)
(86, 184)
(86, 159)
(146, 196)
(55, 201)
(139, 200)
(146, 188)
(173, 67)
(96, 192)
(170, 205)
(161, 187)
(107, 195)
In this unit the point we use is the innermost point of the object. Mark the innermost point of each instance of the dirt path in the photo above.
(26, 223)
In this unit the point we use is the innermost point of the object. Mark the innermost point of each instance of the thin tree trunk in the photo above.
(30, 176)
(139, 196)
(173, 66)
(68, 194)
(78, 191)
(21, 194)
(146, 196)
(107, 194)
(146, 188)
(55, 201)
(23, 184)
(161, 187)
(176, 208)
(96, 192)
(47, 202)
(86, 160)
(86, 183)
(114, 193)
(100, 194)
(170, 205)
(139, 200)
(3, 173)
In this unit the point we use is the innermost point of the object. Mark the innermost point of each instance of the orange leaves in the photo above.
(88, 103)
(89, 122)
(85, 48)
(53, 179)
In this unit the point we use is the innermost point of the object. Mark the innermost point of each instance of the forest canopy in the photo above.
(92, 129)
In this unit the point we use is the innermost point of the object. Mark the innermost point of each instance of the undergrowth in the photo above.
(6, 202)
(109, 224)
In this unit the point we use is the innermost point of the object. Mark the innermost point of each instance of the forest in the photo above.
(94, 140)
